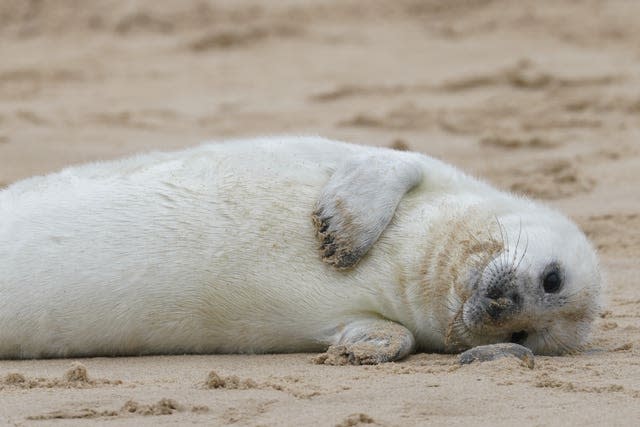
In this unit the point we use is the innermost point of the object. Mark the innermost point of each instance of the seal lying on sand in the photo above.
(214, 250)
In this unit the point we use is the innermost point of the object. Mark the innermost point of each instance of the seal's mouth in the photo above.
(519, 337)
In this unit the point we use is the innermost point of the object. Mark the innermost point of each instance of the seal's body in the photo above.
(214, 250)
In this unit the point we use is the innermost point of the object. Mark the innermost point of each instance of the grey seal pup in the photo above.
(291, 244)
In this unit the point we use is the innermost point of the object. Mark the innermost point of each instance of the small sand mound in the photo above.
(162, 407)
(336, 355)
(14, 378)
(400, 144)
(77, 373)
(76, 376)
(131, 407)
(85, 413)
(231, 382)
(356, 420)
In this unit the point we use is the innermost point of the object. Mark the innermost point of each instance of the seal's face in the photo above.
(542, 290)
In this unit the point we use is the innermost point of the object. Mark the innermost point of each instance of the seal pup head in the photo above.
(540, 288)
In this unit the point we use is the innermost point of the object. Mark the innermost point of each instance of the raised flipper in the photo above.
(359, 201)
(369, 342)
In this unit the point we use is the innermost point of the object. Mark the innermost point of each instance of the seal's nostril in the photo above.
(494, 310)
(519, 337)
(516, 298)
(494, 293)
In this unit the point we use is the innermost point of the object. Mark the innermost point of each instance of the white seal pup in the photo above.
(214, 250)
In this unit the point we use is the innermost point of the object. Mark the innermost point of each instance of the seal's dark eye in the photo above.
(552, 282)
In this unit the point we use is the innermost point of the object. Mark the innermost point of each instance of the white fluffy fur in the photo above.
(212, 249)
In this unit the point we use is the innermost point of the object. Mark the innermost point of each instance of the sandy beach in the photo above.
(539, 98)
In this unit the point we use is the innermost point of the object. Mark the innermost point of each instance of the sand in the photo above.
(541, 98)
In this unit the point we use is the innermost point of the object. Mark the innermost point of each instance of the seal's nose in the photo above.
(494, 293)
(499, 303)
(497, 307)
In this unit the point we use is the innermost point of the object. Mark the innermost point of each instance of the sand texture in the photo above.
(541, 98)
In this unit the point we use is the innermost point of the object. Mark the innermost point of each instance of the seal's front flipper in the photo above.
(485, 353)
(369, 342)
(359, 201)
